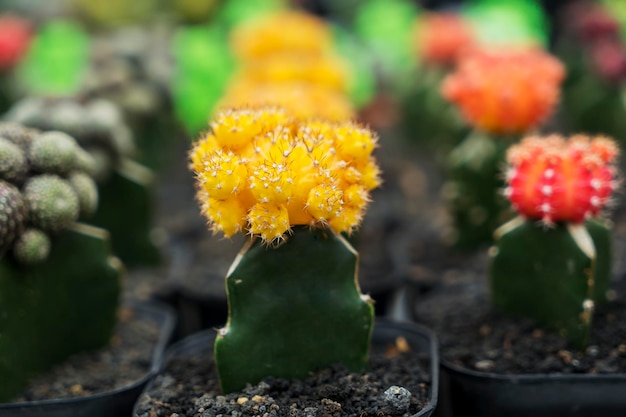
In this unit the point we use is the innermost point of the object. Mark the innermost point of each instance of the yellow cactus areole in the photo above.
(303, 100)
(285, 31)
(261, 170)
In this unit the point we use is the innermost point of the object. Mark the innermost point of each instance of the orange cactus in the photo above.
(441, 38)
(505, 92)
(558, 180)
(260, 171)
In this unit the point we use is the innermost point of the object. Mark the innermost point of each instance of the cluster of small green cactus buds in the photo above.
(561, 181)
(97, 125)
(44, 187)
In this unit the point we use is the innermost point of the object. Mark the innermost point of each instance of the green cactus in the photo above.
(52, 202)
(53, 153)
(31, 247)
(64, 305)
(12, 214)
(554, 275)
(13, 163)
(293, 309)
(473, 191)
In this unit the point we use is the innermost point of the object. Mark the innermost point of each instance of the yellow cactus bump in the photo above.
(261, 171)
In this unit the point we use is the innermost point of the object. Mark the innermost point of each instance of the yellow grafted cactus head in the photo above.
(261, 171)
(303, 99)
(328, 70)
(285, 31)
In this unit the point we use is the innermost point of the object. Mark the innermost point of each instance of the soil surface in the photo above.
(395, 385)
(125, 361)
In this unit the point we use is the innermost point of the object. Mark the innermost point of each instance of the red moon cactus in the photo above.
(556, 180)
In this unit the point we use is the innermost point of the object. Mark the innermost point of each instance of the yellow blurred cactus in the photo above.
(303, 100)
(328, 70)
(282, 32)
(262, 170)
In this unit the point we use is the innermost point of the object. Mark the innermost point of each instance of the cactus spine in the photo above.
(293, 309)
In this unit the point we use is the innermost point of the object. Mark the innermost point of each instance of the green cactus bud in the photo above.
(31, 247)
(53, 153)
(321, 319)
(13, 163)
(19, 135)
(52, 202)
(12, 214)
(87, 192)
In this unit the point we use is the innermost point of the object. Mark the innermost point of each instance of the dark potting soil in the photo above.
(395, 385)
(474, 335)
(126, 360)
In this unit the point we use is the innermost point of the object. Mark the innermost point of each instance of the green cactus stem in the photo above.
(554, 275)
(473, 191)
(65, 305)
(293, 309)
(130, 222)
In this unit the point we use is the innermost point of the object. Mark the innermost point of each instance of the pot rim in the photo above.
(194, 340)
(532, 379)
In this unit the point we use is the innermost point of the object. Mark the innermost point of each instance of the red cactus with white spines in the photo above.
(556, 180)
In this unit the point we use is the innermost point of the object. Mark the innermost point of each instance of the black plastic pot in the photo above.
(469, 393)
(118, 402)
(421, 340)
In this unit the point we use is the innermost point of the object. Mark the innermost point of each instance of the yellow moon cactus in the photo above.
(260, 171)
